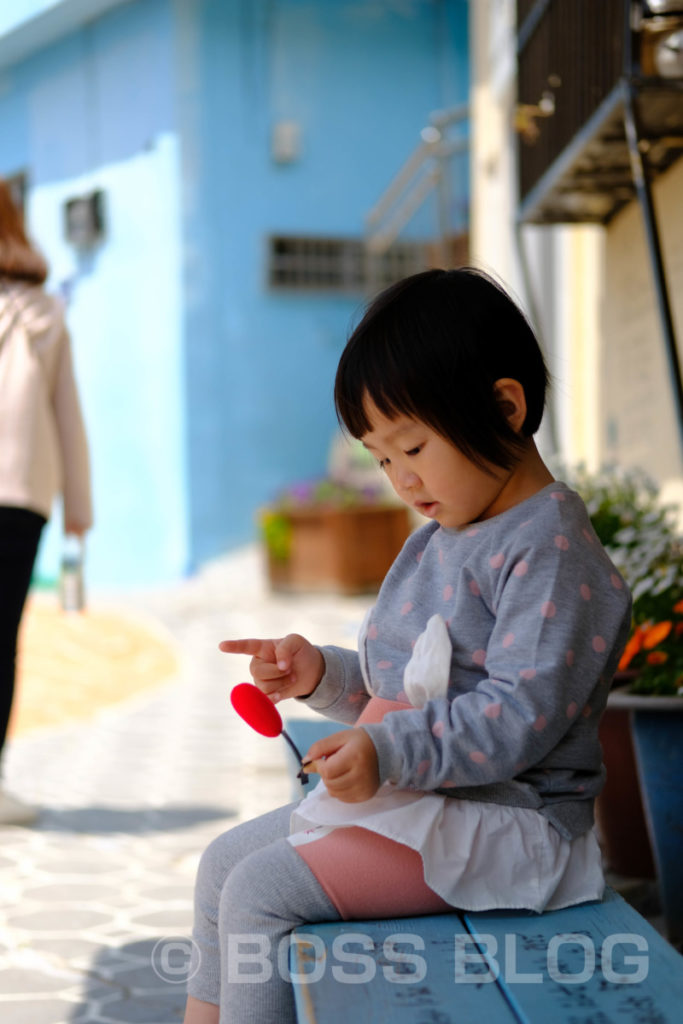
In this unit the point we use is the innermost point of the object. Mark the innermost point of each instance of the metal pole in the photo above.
(644, 192)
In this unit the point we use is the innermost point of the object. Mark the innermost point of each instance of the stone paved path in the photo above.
(96, 899)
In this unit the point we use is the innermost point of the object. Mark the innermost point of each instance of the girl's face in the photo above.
(433, 476)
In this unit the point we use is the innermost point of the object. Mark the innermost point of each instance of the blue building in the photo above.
(234, 148)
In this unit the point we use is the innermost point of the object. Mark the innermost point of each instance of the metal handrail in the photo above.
(422, 172)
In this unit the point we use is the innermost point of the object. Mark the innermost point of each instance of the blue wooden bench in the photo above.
(596, 963)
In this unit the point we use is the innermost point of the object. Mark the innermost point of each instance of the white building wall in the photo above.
(638, 419)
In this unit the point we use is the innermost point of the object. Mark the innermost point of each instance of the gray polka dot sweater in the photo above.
(537, 616)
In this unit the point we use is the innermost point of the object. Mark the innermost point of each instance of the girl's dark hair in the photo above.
(18, 259)
(431, 347)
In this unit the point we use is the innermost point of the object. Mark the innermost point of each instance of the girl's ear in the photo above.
(512, 401)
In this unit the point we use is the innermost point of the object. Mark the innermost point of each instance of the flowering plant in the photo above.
(327, 493)
(655, 649)
(640, 535)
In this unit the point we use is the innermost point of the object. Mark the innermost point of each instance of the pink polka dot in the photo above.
(616, 582)
(372, 632)
(525, 523)
(528, 673)
(521, 569)
(418, 556)
(569, 658)
(558, 495)
(438, 729)
(447, 592)
(440, 557)
(407, 608)
(423, 767)
(384, 664)
(561, 542)
(474, 588)
(520, 766)
(403, 697)
(479, 657)
(473, 532)
(599, 645)
(508, 639)
(580, 789)
(493, 710)
(540, 723)
(548, 609)
(449, 784)
(356, 698)
(588, 535)
(572, 709)
(587, 711)
(478, 757)
(497, 561)
(585, 591)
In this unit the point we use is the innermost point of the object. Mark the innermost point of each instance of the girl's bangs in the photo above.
(362, 379)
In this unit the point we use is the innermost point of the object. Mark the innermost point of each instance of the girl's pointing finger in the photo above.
(256, 648)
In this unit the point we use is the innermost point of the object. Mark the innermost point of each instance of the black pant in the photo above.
(20, 531)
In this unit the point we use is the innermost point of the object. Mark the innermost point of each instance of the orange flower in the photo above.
(678, 607)
(656, 634)
(632, 648)
(657, 657)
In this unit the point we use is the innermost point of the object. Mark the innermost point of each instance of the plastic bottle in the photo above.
(71, 590)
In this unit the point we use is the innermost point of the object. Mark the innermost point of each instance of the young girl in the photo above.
(482, 671)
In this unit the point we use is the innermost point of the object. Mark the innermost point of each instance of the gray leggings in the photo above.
(252, 889)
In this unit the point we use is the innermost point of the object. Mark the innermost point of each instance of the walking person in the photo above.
(43, 447)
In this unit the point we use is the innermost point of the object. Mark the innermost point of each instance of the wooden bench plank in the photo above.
(380, 987)
(590, 979)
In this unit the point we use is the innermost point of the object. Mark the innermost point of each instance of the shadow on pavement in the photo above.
(105, 820)
(140, 983)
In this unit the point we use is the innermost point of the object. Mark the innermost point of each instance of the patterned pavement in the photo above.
(96, 898)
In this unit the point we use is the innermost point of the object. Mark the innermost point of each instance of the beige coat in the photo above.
(43, 446)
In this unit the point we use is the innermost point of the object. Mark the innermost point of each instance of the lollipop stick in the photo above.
(301, 774)
(292, 745)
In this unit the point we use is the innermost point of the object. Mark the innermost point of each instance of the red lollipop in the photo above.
(256, 709)
(260, 713)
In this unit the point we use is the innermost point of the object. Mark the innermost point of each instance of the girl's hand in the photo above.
(290, 667)
(350, 770)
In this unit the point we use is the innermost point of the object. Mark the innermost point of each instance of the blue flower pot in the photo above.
(657, 724)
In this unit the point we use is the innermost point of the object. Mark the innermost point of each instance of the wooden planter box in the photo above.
(348, 550)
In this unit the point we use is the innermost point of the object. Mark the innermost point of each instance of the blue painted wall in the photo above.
(203, 390)
(360, 79)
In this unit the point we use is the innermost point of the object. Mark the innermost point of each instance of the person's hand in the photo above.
(347, 763)
(289, 667)
(72, 526)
